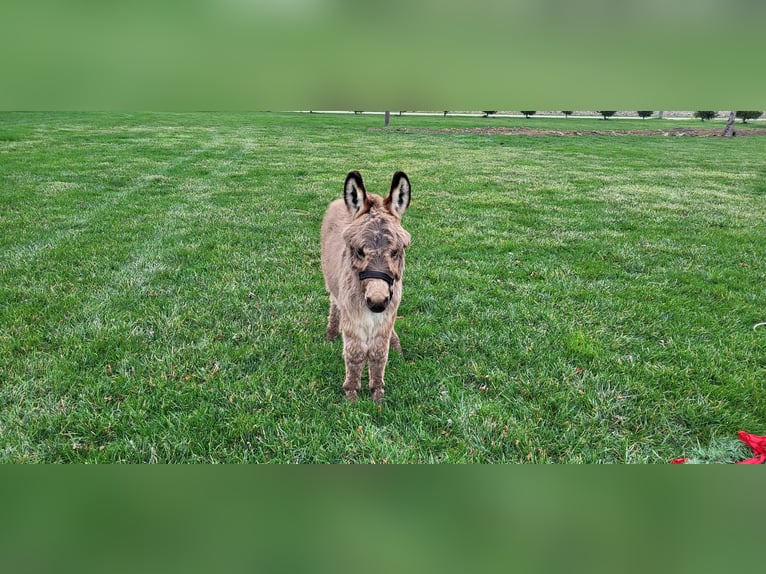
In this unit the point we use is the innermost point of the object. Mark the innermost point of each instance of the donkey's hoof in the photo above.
(377, 395)
(351, 396)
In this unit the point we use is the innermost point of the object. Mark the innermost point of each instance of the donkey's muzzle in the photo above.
(377, 304)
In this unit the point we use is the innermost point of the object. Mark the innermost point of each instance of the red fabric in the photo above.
(757, 443)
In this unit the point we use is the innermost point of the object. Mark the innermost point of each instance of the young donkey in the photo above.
(363, 246)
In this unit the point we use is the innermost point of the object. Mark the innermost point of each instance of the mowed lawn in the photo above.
(584, 298)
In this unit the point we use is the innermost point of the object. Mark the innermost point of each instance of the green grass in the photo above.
(567, 299)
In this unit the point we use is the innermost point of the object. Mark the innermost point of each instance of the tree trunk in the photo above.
(729, 131)
(388, 118)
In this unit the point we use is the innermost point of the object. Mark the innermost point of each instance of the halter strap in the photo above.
(376, 275)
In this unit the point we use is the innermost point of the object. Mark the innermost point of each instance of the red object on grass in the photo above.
(757, 443)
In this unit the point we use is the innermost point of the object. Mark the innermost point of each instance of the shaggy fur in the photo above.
(363, 232)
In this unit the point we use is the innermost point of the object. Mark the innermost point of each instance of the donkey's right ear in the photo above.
(355, 195)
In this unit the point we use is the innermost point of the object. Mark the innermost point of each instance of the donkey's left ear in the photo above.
(398, 199)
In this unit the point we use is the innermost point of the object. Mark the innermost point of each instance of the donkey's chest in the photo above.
(367, 326)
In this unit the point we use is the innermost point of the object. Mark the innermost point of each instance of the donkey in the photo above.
(363, 246)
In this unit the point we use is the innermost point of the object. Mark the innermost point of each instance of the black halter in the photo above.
(376, 275)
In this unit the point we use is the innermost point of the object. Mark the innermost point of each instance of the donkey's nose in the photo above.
(377, 306)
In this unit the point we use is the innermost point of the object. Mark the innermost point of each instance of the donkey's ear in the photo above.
(355, 195)
(398, 199)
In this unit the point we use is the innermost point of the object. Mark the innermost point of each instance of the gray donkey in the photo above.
(363, 246)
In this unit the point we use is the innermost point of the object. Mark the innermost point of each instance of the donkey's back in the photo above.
(336, 219)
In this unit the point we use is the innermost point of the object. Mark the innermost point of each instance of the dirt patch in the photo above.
(674, 132)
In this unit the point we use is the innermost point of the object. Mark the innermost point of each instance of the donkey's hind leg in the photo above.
(394, 342)
(333, 322)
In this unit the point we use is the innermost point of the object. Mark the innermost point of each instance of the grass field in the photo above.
(567, 298)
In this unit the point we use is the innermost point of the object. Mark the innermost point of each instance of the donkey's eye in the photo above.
(360, 252)
(395, 253)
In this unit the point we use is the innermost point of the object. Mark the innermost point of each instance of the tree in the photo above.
(527, 114)
(744, 116)
(567, 113)
(705, 115)
(644, 114)
(607, 115)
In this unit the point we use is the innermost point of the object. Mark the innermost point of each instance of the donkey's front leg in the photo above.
(378, 356)
(354, 355)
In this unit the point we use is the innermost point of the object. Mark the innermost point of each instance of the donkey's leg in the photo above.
(333, 322)
(394, 343)
(378, 356)
(354, 356)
